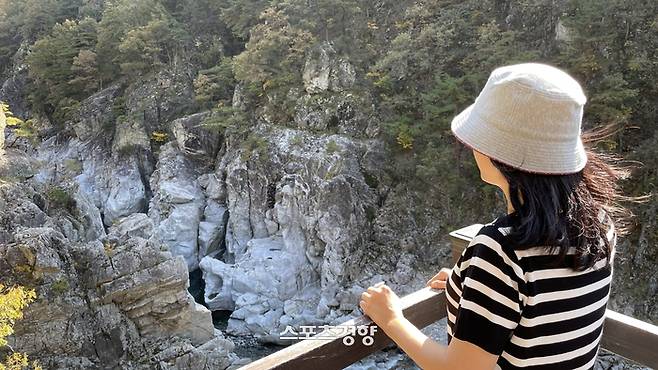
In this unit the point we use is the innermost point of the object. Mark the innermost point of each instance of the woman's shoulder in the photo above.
(499, 228)
(494, 236)
(490, 251)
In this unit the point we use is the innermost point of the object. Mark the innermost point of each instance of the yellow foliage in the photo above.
(109, 248)
(5, 108)
(373, 25)
(159, 136)
(15, 361)
(12, 302)
(405, 140)
(373, 74)
(18, 361)
(13, 121)
(8, 116)
(401, 25)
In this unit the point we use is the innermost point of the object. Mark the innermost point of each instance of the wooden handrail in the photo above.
(422, 308)
(631, 338)
(623, 335)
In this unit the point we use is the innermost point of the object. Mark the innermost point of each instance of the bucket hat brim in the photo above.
(521, 153)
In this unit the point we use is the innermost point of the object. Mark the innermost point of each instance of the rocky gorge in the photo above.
(107, 226)
(286, 227)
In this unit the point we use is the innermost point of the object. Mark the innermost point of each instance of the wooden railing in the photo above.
(623, 335)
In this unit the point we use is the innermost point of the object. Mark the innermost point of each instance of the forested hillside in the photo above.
(288, 78)
(420, 62)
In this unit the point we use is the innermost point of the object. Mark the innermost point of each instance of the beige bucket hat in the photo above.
(528, 116)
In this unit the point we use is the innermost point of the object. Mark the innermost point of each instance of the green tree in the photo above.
(133, 33)
(9, 39)
(29, 20)
(215, 84)
(242, 16)
(85, 70)
(38, 18)
(52, 68)
(149, 47)
(344, 23)
(612, 49)
(213, 38)
(274, 58)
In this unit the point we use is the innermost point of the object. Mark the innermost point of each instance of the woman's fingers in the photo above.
(429, 282)
(438, 284)
(441, 276)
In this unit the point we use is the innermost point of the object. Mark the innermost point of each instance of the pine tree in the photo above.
(51, 67)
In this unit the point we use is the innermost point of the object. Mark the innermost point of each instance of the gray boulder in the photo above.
(325, 71)
(193, 138)
(92, 222)
(177, 205)
(95, 118)
(135, 225)
(126, 192)
(256, 286)
(212, 229)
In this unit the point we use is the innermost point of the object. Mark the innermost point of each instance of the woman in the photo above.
(531, 289)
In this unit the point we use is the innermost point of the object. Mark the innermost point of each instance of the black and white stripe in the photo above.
(510, 303)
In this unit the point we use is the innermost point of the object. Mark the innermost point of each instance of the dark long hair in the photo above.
(562, 211)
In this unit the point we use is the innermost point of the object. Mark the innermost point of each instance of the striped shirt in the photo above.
(533, 315)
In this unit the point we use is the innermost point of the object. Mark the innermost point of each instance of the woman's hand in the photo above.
(381, 304)
(439, 280)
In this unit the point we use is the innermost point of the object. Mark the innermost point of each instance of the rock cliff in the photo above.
(288, 226)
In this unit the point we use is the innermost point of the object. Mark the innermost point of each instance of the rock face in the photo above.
(158, 99)
(121, 177)
(309, 217)
(96, 117)
(112, 301)
(297, 233)
(325, 71)
(177, 204)
(193, 138)
(342, 114)
(562, 32)
(126, 192)
(107, 234)
(113, 184)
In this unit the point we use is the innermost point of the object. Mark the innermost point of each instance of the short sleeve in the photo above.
(490, 303)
